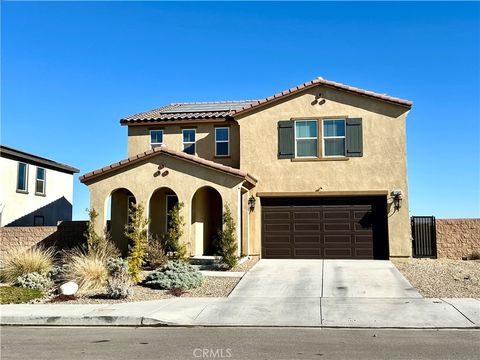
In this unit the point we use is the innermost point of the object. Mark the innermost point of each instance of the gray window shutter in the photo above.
(354, 137)
(286, 140)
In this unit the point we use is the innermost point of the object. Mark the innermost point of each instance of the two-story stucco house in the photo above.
(34, 191)
(316, 171)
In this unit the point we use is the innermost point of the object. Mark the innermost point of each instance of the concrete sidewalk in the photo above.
(241, 311)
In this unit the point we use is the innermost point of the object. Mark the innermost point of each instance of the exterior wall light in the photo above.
(251, 203)
(397, 199)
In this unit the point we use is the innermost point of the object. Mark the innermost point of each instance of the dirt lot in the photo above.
(442, 277)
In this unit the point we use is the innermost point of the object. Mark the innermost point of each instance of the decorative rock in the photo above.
(69, 288)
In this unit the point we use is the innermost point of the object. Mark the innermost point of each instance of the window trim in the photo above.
(190, 142)
(222, 141)
(22, 191)
(306, 138)
(152, 145)
(44, 181)
(335, 137)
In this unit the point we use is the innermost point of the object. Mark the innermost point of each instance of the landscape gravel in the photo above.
(442, 278)
(211, 287)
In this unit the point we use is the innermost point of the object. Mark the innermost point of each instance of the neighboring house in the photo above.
(317, 171)
(34, 191)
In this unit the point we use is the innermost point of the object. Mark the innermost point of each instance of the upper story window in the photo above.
(334, 137)
(189, 141)
(306, 138)
(40, 181)
(156, 138)
(22, 178)
(222, 141)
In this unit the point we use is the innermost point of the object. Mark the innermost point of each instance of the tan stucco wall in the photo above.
(139, 140)
(184, 178)
(382, 167)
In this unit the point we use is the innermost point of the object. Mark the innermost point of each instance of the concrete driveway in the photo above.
(324, 279)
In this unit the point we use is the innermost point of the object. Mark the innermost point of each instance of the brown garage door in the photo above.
(325, 228)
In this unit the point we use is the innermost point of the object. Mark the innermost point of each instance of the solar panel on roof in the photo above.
(206, 107)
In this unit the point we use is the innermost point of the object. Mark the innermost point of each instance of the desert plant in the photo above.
(119, 282)
(21, 261)
(156, 252)
(57, 274)
(174, 275)
(119, 287)
(91, 236)
(175, 232)
(227, 240)
(116, 266)
(86, 269)
(35, 281)
(136, 232)
(102, 246)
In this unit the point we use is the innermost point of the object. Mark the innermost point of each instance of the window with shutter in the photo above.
(354, 137)
(286, 139)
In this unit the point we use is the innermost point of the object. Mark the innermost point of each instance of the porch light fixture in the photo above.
(397, 199)
(251, 203)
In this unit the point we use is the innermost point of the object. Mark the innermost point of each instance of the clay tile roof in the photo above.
(320, 81)
(231, 109)
(178, 154)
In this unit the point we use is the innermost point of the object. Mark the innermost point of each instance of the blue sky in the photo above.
(70, 71)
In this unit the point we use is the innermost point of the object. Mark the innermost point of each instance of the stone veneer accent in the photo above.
(457, 237)
(64, 236)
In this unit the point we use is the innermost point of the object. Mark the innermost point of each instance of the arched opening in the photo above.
(117, 206)
(207, 210)
(162, 201)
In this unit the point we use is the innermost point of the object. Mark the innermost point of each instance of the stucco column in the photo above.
(97, 202)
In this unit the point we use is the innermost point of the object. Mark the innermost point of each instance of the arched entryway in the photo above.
(207, 210)
(117, 205)
(162, 201)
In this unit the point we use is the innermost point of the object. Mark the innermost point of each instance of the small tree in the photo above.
(227, 240)
(175, 232)
(93, 239)
(136, 232)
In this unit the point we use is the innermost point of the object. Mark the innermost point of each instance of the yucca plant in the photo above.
(20, 261)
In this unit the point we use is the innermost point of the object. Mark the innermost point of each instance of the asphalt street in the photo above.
(235, 343)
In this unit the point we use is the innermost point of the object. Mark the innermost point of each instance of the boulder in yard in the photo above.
(69, 288)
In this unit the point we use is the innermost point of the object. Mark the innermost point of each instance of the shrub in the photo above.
(156, 254)
(174, 275)
(19, 262)
(136, 232)
(86, 269)
(175, 232)
(57, 274)
(119, 286)
(119, 282)
(102, 246)
(116, 266)
(227, 240)
(35, 281)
